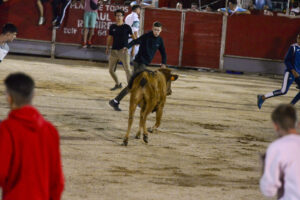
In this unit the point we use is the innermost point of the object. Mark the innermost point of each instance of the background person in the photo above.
(8, 34)
(118, 38)
(291, 74)
(40, 6)
(281, 174)
(134, 22)
(90, 19)
(233, 8)
(149, 44)
(30, 160)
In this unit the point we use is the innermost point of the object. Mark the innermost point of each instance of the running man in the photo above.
(292, 62)
(9, 33)
(149, 44)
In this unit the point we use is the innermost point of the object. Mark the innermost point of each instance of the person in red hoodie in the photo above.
(30, 162)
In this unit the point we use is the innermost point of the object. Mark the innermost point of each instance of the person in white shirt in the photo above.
(9, 33)
(281, 173)
(179, 6)
(134, 22)
(141, 3)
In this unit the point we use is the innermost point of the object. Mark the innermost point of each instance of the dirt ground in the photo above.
(207, 147)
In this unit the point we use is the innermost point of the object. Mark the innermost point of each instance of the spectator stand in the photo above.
(192, 39)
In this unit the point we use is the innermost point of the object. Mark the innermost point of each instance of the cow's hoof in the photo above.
(145, 138)
(152, 130)
(137, 137)
(125, 142)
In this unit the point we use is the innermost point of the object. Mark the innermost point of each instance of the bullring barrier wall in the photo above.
(254, 43)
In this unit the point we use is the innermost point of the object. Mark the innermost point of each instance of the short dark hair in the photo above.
(194, 4)
(232, 1)
(9, 28)
(157, 24)
(135, 7)
(119, 11)
(20, 87)
(285, 116)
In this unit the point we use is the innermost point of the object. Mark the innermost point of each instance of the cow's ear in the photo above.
(174, 77)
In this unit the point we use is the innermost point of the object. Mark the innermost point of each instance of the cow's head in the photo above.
(169, 78)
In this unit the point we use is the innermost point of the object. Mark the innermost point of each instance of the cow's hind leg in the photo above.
(159, 113)
(143, 121)
(132, 108)
(138, 134)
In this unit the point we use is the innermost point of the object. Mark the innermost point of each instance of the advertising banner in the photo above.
(71, 30)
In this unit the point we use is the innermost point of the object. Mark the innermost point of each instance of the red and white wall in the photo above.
(192, 39)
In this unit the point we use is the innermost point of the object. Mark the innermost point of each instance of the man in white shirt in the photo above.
(134, 22)
(8, 34)
(282, 161)
(141, 3)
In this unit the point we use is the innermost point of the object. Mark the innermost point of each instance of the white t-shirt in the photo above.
(4, 49)
(143, 4)
(133, 21)
(282, 159)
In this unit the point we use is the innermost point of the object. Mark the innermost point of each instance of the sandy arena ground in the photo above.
(207, 148)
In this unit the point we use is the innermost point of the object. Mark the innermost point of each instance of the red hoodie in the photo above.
(30, 163)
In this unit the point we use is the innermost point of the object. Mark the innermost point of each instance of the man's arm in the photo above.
(136, 41)
(163, 54)
(6, 150)
(270, 181)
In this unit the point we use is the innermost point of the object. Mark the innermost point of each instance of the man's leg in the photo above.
(65, 5)
(296, 99)
(41, 10)
(55, 5)
(125, 59)
(93, 18)
(91, 33)
(287, 82)
(86, 29)
(116, 101)
(138, 67)
(113, 60)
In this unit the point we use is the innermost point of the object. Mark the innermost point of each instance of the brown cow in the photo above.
(148, 90)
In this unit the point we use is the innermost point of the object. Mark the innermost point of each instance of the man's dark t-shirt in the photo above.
(120, 35)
